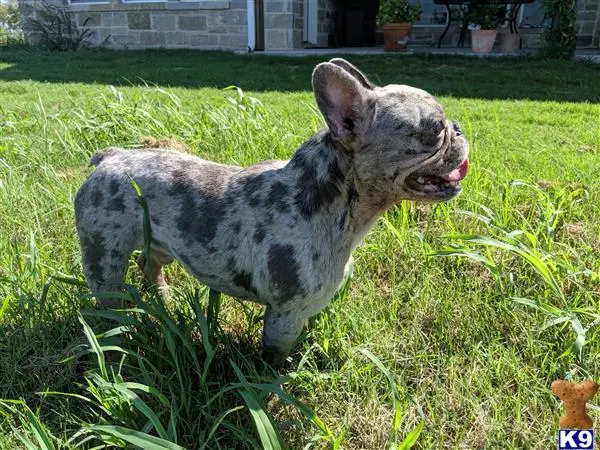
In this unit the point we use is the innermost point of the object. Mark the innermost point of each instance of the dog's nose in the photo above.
(457, 129)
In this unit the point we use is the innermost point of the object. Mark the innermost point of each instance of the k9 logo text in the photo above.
(575, 439)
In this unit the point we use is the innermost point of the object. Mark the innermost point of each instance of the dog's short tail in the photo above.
(101, 154)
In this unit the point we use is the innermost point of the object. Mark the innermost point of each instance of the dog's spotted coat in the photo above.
(279, 232)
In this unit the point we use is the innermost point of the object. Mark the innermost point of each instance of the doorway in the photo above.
(356, 23)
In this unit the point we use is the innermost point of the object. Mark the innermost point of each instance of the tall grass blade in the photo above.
(395, 395)
(30, 422)
(137, 438)
(217, 424)
(412, 437)
(95, 346)
(534, 261)
(146, 228)
(267, 432)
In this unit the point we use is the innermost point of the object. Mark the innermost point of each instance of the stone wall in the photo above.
(325, 22)
(222, 24)
(283, 24)
(588, 23)
(209, 24)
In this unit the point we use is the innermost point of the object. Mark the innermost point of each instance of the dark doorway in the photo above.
(356, 23)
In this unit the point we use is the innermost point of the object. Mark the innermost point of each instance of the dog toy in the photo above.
(575, 396)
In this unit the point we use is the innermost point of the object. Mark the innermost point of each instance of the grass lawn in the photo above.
(458, 317)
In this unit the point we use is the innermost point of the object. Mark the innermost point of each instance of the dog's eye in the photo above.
(438, 127)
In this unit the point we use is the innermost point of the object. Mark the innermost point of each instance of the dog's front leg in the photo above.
(281, 329)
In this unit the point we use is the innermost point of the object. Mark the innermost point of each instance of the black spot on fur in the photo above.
(335, 173)
(259, 233)
(252, 184)
(241, 278)
(278, 196)
(115, 268)
(117, 204)
(315, 256)
(316, 189)
(283, 269)
(244, 280)
(254, 201)
(114, 187)
(116, 226)
(200, 213)
(116, 254)
(313, 194)
(93, 252)
(231, 265)
(179, 183)
(155, 220)
(236, 226)
(97, 197)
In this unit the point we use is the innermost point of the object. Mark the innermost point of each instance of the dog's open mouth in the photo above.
(438, 185)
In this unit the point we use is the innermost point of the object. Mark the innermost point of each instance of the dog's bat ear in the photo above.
(347, 106)
(352, 70)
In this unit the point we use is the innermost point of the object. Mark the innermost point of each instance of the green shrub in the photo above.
(560, 37)
(488, 17)
(9, 17)
(10, 26)
(399, 11)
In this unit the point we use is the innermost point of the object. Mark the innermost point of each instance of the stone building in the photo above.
(278, 24)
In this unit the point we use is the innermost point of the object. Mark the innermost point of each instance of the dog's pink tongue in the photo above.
(460, 173)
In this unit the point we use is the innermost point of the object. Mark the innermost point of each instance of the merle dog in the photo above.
(278, 233)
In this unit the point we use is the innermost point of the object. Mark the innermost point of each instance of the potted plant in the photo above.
(483, 20)
(397, 17)
(509, 42)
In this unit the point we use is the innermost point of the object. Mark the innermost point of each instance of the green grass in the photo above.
(459, 315)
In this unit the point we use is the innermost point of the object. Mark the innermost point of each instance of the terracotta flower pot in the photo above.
(395, 36)
(509, 42)
(482, 41)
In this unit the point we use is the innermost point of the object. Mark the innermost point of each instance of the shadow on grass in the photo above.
(491, 78)
(164, 352)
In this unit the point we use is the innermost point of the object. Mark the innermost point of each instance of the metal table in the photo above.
(511, 17)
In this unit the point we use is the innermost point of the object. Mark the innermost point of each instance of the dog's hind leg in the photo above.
(154, 271)
(104, 263)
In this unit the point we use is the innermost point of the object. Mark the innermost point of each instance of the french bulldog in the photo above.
(279, 233)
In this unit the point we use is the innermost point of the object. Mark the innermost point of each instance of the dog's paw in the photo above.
(273, 357)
